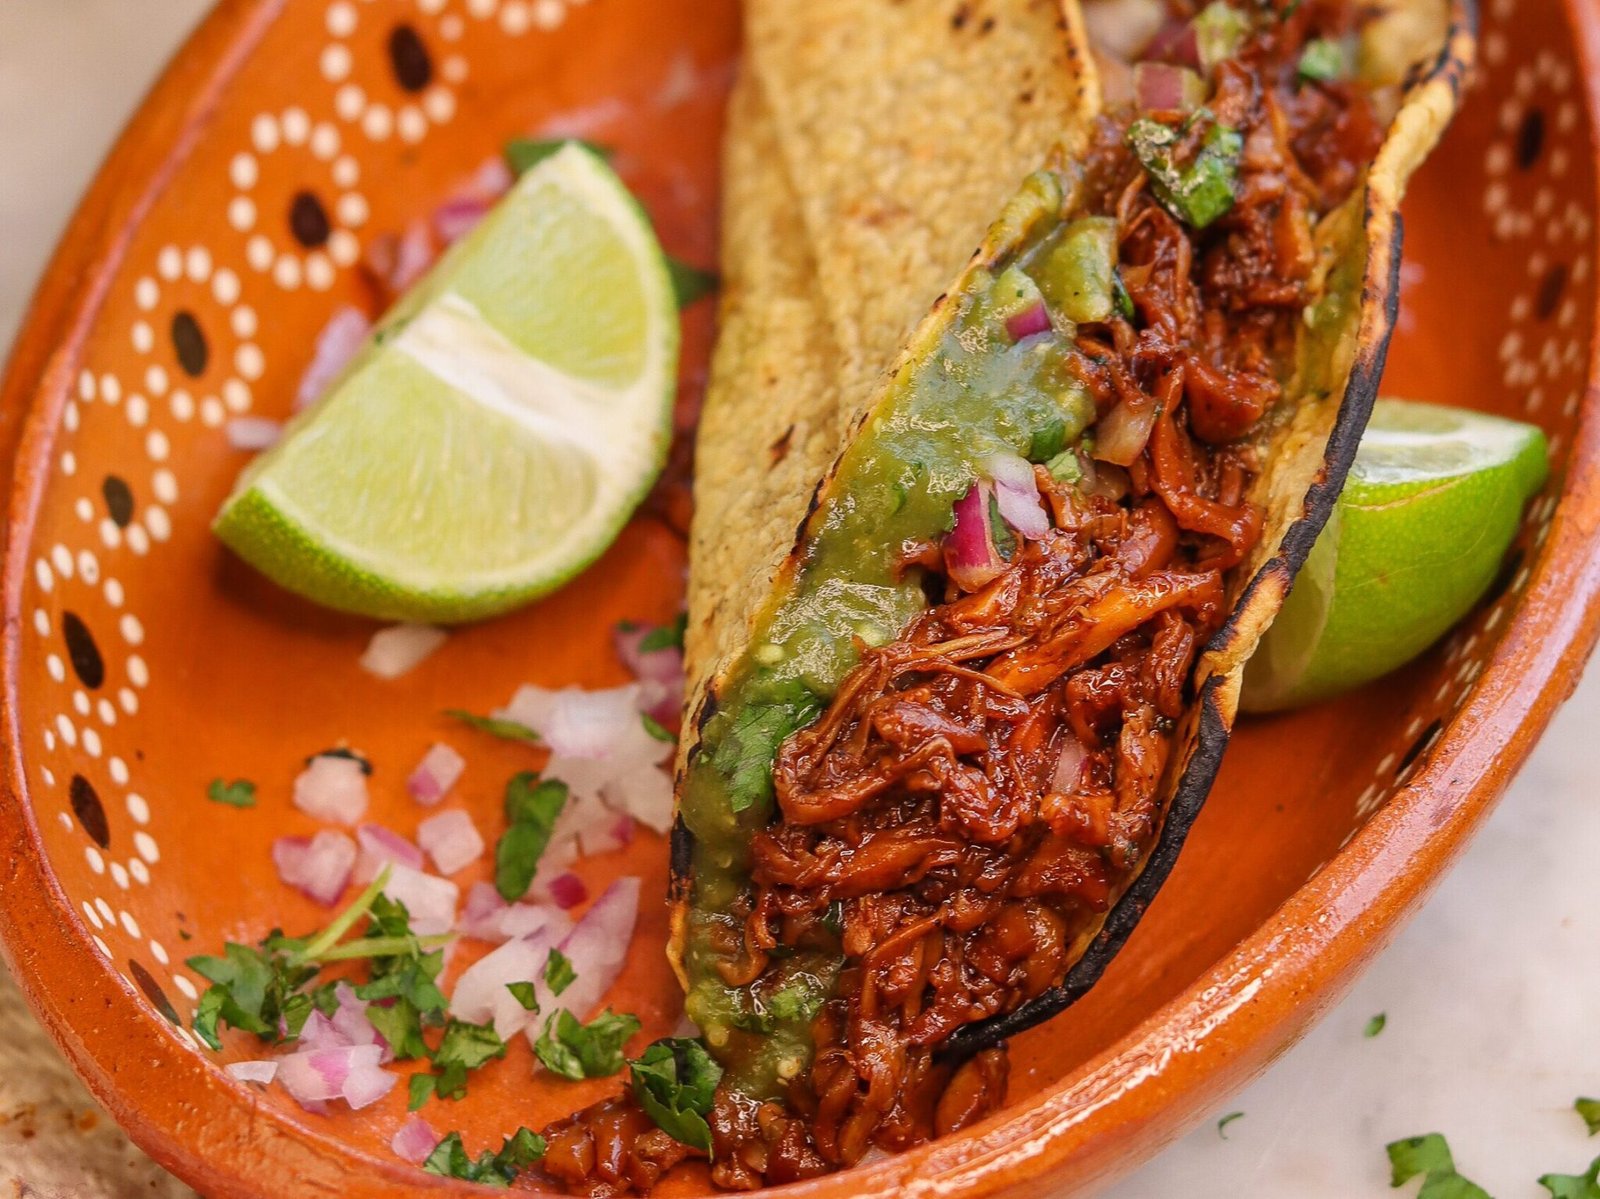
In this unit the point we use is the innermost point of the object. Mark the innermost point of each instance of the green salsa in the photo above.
(967, 390)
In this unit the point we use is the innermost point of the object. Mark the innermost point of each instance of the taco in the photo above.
(946, 739)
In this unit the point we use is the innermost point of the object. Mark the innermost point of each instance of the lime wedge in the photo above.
(1433, 500)
(500, 425)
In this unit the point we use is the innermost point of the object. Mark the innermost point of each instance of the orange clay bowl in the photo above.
(141, 660)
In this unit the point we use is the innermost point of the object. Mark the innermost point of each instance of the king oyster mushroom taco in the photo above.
(969, 606)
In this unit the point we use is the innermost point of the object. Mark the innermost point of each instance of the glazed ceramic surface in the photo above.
(141, 661)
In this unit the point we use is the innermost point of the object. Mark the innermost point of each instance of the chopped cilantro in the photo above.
(1574, 1186)
(532, 807)
(690, 283)
(241, 793)
(524, 153)
(1324, 59)
(745, 752)
(495, 726)
(1048, 440)
(674, 1081)
(1005, 541)
(421, 1090)
(1375, 1025)
(1430, 1156)
(666, 636)
(525, 994)
(1121, 299)
(1066, 467)
(520, 1150)
(592, 1050)
(655, 728)
(464, 1048)
(1589, 1109)
(558, 972)
(1222, 1124)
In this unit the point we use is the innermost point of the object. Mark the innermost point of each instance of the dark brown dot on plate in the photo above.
(1418, 747)
(152, 991)
(189, 342)
(87, 663)
(119, 500)
(1550, 289)
(308, 220)
(1530, 139)
(413, 67)
(90, 811)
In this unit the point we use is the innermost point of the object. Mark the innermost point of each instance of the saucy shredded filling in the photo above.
(980, 790)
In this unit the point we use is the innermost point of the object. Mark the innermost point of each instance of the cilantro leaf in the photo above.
(690, 283)
(254, 990)
(1589, 1109)
(655, 728)
(592, 1050)
(520, 1150)
(558, 972)
(1375, 1025)
(464, 1048)
(241, 793)
(495, 726)
(421, 1088)
(666, 636)
(1430, 1156)
(1324, 59)
(1222, 1124)
(747, 747)
(674, 1081)
(1005, 541)
(525, 153)
(532, 808)
(525, 994)
(1574, 1186)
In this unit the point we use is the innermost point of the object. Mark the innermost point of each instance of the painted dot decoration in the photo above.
(82, 651)
(90, 811)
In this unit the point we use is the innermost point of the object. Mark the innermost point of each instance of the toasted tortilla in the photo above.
(1310, 440)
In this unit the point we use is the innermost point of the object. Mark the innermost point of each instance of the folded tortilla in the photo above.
(819, 303)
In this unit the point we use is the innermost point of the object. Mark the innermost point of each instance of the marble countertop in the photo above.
(1490, 994)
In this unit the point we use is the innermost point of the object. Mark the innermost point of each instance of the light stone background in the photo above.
(1492, 994)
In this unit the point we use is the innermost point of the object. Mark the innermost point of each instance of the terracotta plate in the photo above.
(141, 661)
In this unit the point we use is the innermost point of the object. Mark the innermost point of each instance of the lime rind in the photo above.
(449, 474)
(1434, 499)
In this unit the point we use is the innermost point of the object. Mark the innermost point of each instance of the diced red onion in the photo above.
(344, 334)
(451, 840)
(1017, 494)
(320, 867)
(1175, 42)
(644, 793)
(332, 788)
(522, 920)
(1121, 434)
(350, 1021)
(456, 218)
(252, 433)
(257, 1071)
(490, 181)
(969, 551)
(1069, 765)
(398, 649)
(565, 890)
(480, 995)
(1165, 87)
(380, 845)
(415, 1140)
(318, 1032)
(430, 901)
(660, 674)
(597, 948)
(1035, 318)
(413, 255)
(350, 1072)
(576, 723)
(1123, 27)
(487, 917)
(440, 769)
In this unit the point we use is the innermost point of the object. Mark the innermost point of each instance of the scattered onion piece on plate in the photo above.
(252, 433)
(343, 335)
(379, 845)
(332, 788)
(451, 840)
(429, 900)
(438, 771)
(350, 1072)
(399, 649)
(414, 1140)
(319, 866)
(262, 1071)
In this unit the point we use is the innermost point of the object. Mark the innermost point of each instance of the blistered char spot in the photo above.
(119, 500)
(413, 67)
(84, 654)
(90, 811)
(146, 982)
